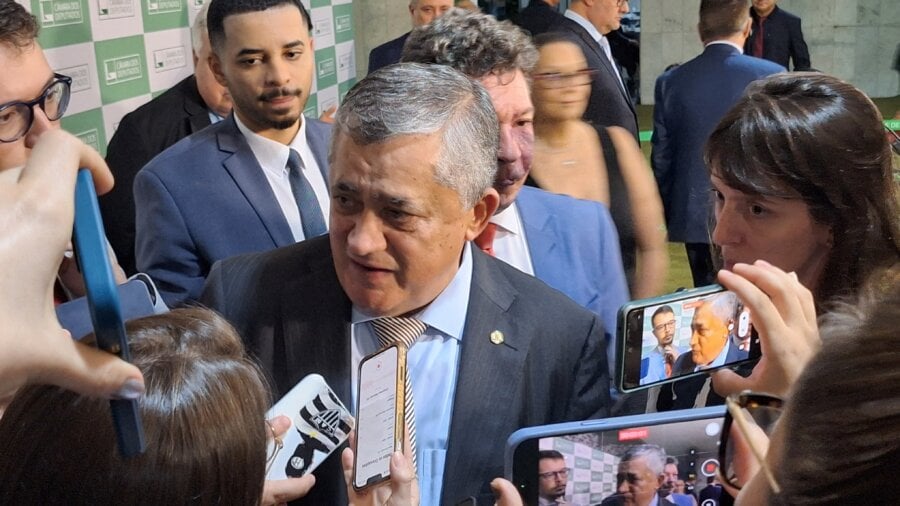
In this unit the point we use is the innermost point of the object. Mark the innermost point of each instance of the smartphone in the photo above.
(581, 463)
(664, 339)
(379, 415)
(103, 301)
(319, 424)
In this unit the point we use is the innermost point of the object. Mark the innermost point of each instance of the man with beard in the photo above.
(252, 182)
(553, 476)
(662, 358)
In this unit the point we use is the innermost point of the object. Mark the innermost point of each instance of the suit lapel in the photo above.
(248, 175)
(604, 61)
(488, 374)
(541, 234)
(317, 139)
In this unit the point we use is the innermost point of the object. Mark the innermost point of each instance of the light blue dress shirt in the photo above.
(656, 367)
(433, 363)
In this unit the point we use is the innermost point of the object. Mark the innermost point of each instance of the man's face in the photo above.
(764, 7)
(552, 476)
(214, 94)
(606, 15)
(426, 11)
(664, 328)
(26, 74)
(670, 477)
(708, 335)
(396, 234)
(515, 114)
(266, 62)
(636, 482)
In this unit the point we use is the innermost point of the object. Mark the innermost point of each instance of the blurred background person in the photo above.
(777, 36)
(603, 164)
(537, 17)
(421, 12)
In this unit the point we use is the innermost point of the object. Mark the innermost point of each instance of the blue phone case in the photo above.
(103, 300)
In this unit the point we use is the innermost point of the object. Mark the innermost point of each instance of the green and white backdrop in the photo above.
(122, 53)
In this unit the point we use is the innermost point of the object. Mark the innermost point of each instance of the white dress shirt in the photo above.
(510, 243)
(272, 157)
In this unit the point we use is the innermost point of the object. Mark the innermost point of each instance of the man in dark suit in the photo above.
(252, 182)
(777, 36)
(690, 101)
(639, 478)
(538, 16)
(422, 12)
(411, 171)
(547, 235)
(186, 108)
(589, 22)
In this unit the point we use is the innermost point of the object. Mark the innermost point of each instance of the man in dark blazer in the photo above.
(690, 101)
(539, 16)
(777, 36)
(588, 23)
(411, 171)
(227, 189)
(421, 12)
(184, 109)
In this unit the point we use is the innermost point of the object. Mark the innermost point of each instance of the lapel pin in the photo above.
(497, 337)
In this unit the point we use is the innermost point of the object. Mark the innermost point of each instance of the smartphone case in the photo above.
(319, 424)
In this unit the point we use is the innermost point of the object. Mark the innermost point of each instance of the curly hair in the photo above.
(18, 28)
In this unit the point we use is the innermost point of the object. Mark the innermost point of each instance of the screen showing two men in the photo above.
(658, 464)
(680, 337)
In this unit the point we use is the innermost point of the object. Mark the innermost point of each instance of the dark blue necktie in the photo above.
(310, 212)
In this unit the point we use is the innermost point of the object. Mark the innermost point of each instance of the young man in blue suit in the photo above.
(252, 182)
(570, 244)
(690, 101)
(422, 12)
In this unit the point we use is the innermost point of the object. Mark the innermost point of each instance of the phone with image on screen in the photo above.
(595, 461)
(379, 415)
(664, 339)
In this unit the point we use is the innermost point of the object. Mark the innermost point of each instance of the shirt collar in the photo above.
(508, 220)
(720, 359)
(727, 43)
(271, 155)
(578, 18)
(447, 312)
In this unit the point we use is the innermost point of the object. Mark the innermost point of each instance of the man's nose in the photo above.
(366, 236)
(509, 148)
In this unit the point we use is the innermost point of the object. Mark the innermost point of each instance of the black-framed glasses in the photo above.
(562, 473)
(749, 422)
(563, 80)
(666, 325)
(16, 118)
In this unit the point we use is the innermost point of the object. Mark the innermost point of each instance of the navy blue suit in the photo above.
(204, 199)
(782, 39)
(690, 101)
(387, 53)
(683, 394)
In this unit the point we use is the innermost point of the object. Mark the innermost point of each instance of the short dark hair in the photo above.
(664, 309)
(203, 415)
(550, 454)
(221, 9)
(18, 28)
(722, 18)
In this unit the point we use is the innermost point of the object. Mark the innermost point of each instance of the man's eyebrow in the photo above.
(344, 186)
(294, 44)
(249, 50)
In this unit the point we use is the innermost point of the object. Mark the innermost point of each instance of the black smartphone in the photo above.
(683, 334)
(607, 461)
(379, 415)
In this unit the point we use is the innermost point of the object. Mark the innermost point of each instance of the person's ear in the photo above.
(216, 66)
(482, 212)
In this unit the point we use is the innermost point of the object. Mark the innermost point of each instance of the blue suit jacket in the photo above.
(782, 39)
(387, 53)
(574, 248)
(690, 101)
(204, 199)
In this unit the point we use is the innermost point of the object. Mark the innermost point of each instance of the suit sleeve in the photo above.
(164, 248)
(799, 50)
(126, 154)
(662, 150)
(590, 391)
(213, 295)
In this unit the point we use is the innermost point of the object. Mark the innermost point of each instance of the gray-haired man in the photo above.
(412, 163)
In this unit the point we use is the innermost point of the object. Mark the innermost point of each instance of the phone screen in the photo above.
(611, 466)
(377, 430)
(681, 335)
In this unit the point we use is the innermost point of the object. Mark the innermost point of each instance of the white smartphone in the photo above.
(380, 427)
(319, 424)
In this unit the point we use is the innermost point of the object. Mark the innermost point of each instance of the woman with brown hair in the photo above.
(603, 164)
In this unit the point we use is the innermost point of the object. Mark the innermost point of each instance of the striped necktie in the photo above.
(403, 332)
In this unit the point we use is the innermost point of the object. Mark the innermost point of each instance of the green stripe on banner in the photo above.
(893, 124)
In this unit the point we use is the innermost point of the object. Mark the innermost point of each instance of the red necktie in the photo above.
(758, 41)
(485, 240)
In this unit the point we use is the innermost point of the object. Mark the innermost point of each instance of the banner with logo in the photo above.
(122, 53)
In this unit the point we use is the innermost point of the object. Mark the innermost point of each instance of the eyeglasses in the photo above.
(275, 446)
(559, 80)
(749, 420)
(16, 118)
(667, 325)
(562, 473)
